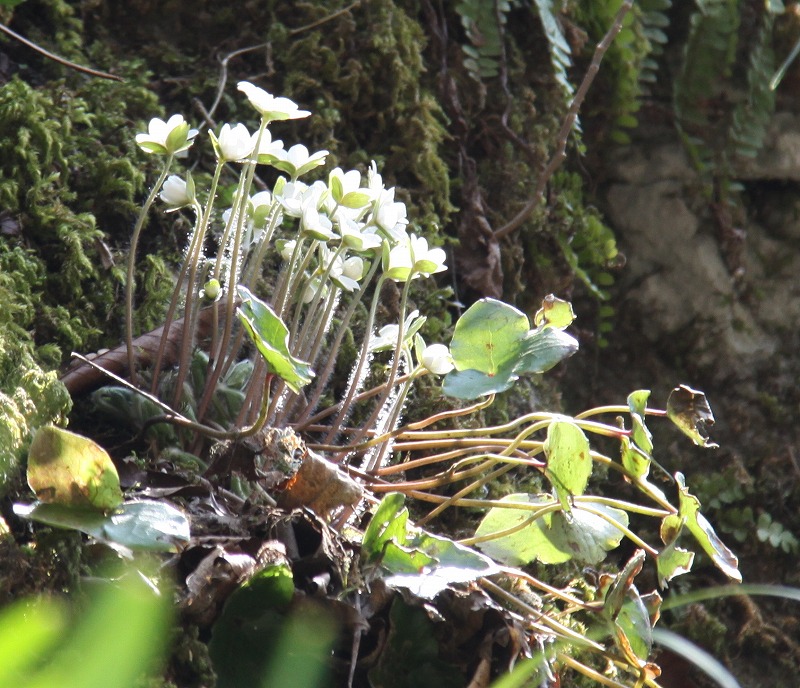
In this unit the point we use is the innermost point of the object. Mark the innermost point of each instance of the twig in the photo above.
(122, 381)
(223, 78)
(324, 20)
(51, 56)
(569, 121)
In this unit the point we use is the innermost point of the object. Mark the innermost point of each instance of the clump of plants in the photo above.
(236, 396)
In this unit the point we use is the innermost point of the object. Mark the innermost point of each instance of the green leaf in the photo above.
(470, 384)
(637, 403)
(544, 348)
(116, 643)
(492, 345)
(633, 632)
(388, 522)
(271, 338)
(72, 470)
(337, 189)
(554, 313)
(136, 525)
(487, 338)
(673, 561)
(527, 542)
(569, 463)
(552, 537)
(690, 411)
(252, 621)
(635, 461)
(411, 558)
(698, 525)
(29, 629)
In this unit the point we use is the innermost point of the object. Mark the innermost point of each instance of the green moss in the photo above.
(29, 398)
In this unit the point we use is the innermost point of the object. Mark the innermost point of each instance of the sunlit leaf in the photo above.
(554, 313)
(673, 561)
(72, 470)
(637, 403)
(552, 538)
(703, 531)
(136, 525)
(542, 349)
(492, 346)
(414, 559)
(635, 461)
(587, 536)
(487, 338)
(271, 338)
(569, 463)
(690, 411)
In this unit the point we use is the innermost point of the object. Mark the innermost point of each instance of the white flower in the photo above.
(234, 143)
(171, 137)
(297, 160)
(374, 180)
(437, 359)
(291, 197)
(390, 215)
(287, 249)
(176, 193)
(346, 189)
(270, 107)
(345, 275)
(317, 225)
(267, 148)
(387, 336)
(353, 267)
(413, 258)
(354, 235)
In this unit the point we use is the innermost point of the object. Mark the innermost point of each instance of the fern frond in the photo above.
(560, 53)
(484, 23)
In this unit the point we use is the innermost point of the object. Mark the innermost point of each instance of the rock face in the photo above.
(678, 276)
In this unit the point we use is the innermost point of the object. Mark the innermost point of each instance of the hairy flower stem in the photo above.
(193, 263)
(173, 305)
(392, 376)
(323, 377)
(129, 282)
(218, 359)
(363, 356)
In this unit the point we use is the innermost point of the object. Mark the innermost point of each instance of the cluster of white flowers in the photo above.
(348, 221)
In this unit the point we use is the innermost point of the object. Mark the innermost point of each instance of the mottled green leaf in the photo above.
(673, 561)
(635, 461)
(487, 338)
(72, 470)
